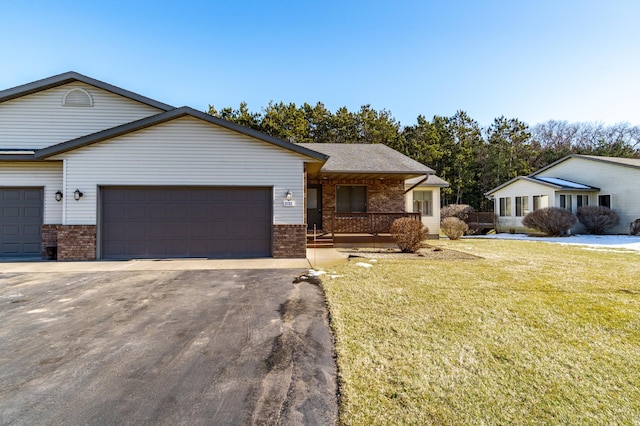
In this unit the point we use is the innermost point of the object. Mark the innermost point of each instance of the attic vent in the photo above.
(77, 98)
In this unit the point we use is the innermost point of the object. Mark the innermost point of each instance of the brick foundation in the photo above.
(76, 242)
(290, 241)
(49, 238)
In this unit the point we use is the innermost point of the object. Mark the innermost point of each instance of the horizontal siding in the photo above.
(185, 151)
(40, 174)
(520, 188)
(622, 183)
(39, 120)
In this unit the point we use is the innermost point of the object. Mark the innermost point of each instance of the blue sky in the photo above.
(531, 60)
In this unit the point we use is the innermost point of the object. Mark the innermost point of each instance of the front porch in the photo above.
(356, 228)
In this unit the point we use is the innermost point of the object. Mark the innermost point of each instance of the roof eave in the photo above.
(70, 77)
(162, 118)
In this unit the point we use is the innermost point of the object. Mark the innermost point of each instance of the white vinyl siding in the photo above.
(40, 120)
(620, 182)
(36, 174)
(520, 188)
(185, 151)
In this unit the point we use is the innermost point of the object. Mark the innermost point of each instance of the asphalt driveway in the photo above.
(164, 347)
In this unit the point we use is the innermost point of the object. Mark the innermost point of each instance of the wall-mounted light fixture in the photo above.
(58, 195)
(288, 196)
(77, 194)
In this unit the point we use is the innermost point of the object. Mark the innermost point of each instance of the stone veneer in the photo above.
(383, 196)
(76, 242)
(290, 241)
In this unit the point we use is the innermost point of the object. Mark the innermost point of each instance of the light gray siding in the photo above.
(37, 174)
(39, 120)
(183, 152)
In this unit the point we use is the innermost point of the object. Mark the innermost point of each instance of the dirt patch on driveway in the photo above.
(165, 347)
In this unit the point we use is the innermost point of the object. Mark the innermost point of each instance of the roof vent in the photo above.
(77, 98)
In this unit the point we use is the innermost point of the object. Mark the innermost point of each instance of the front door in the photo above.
(314, 207)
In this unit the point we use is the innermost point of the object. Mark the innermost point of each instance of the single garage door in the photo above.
(185, 222)
(20, 221)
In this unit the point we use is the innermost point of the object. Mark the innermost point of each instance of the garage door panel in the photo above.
(186, 222)
(20, 222)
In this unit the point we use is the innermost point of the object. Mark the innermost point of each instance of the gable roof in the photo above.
(551, 182)
(619, 161)
(70, 77)
(168, 116)
(432, 180)
(366, 160)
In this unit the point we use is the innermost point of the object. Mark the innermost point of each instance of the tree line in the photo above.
(471, 158)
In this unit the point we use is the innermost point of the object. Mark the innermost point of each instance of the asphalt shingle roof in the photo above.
(366, 158)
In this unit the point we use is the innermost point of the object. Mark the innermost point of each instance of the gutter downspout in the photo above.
(417, 184)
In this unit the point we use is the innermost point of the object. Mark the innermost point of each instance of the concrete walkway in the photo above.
(317, 258)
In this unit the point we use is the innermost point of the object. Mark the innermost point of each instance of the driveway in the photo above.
(164, 347)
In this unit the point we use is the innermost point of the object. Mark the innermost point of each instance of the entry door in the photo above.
(314, 207)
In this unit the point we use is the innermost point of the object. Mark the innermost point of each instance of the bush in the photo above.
(409, 234)
(597, 219)
(553, 221)
(453, 227)
(461, 211)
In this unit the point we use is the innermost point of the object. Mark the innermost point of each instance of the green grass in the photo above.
(532, 333)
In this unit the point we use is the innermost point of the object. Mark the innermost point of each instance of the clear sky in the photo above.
(535, 60)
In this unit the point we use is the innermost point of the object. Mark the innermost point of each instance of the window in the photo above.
(582, 200)
(540, 202)
(505, 206)
(604, 200)
(566, 202)
(77, 98)
(522, 206)
(351, 199)
(423, 202)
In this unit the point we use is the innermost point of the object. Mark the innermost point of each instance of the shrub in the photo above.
(553, 221)
(461, 211)
(409, 234)
(597, 219)
(453, 227)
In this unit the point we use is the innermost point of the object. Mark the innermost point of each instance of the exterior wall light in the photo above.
(58, 195)
(288, 196)
(77, 194)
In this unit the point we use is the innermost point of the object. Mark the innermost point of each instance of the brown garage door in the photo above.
(20, 222)
(185, 222)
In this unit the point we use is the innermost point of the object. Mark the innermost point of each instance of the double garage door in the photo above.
(158, 222)
(20, 222)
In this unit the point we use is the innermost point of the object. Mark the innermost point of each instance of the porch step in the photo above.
(322, 241)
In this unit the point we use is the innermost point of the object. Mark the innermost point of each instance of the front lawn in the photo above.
(531, 333)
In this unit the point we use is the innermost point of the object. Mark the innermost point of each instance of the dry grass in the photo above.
(532, 333)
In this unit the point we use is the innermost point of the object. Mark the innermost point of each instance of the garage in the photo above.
(177, 222)
(20, 222)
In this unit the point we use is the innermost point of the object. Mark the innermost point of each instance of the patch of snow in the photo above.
(364, 265)
(628, 242)
(315, 273)
(373, 260)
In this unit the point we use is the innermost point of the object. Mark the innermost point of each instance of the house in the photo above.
(99, 172)
(362, 189)
(572, 182)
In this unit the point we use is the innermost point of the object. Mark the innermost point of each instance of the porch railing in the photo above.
(366, 223)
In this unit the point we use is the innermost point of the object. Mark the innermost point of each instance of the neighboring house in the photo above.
(572, 182)
(423, 195)
(104, 173)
